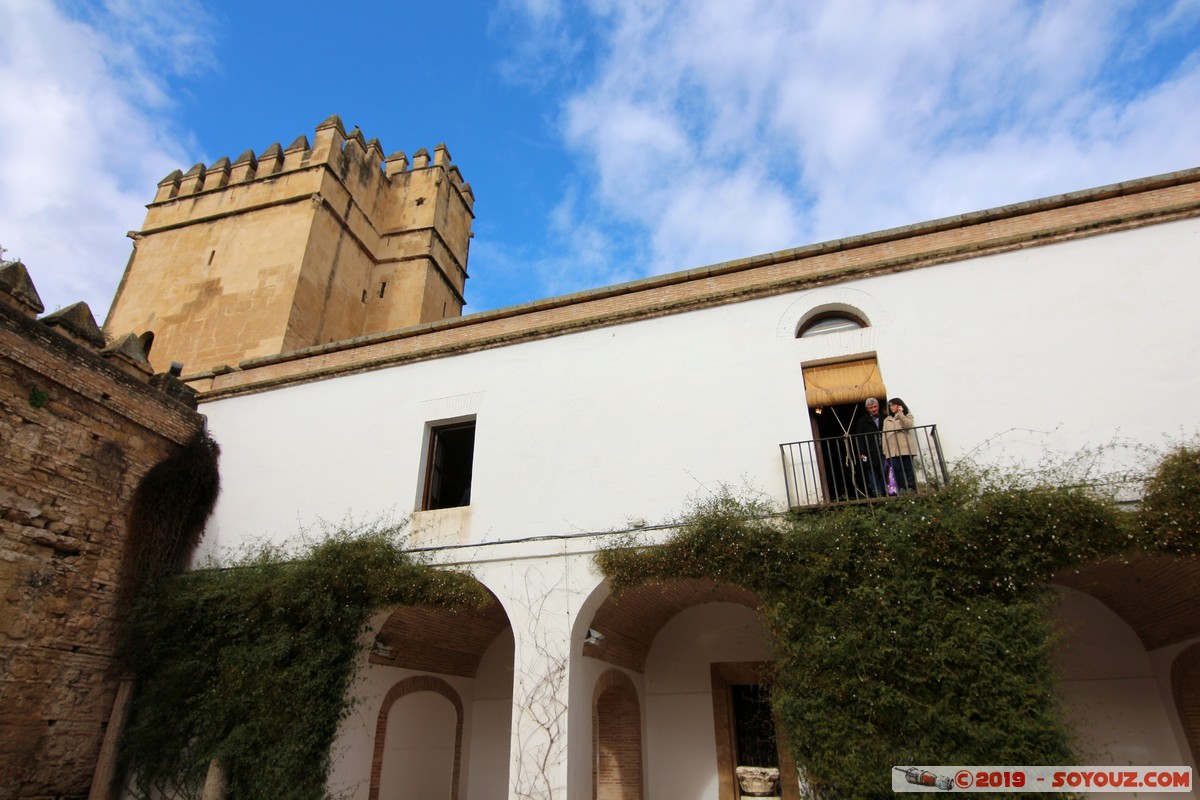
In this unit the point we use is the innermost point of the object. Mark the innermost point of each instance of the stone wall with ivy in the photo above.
(78, 434)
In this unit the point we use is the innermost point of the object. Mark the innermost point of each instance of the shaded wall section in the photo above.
(80, 426)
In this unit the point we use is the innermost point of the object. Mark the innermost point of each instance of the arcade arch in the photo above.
(678, 650)
(443, 727)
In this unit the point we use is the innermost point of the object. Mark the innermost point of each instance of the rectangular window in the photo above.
(448, 471)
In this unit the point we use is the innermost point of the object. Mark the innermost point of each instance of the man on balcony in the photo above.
(867, 442)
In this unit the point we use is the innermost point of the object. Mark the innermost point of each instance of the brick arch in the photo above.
(1185, 687)
(629, 622)
(1155, 594)
(616, 738)
(417, 683)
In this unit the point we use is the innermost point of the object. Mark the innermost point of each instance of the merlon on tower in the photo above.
(295, 248)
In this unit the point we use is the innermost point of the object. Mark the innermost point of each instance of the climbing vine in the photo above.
(917, 631)
(251, 664)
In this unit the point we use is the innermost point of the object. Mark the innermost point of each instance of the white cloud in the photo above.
(714, 130)
(539, 39)
(709, 218)
(82, 140)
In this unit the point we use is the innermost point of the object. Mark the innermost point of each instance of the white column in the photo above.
(540, 610)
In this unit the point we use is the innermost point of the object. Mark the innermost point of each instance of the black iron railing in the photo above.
(863, 466)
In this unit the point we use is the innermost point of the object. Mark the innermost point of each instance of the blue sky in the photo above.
(605, 140)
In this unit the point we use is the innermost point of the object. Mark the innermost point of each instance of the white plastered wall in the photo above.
(1044, 350)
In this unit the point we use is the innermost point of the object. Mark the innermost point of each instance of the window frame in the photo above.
(431, 489)
(834, 313)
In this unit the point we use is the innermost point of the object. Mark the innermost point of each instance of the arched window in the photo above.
(830, 322)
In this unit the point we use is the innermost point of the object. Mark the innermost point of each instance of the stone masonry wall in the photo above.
(77, 434)
(296, 248)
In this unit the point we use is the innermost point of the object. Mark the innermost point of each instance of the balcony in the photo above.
(852, 468)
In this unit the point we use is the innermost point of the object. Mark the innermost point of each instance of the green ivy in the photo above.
(252, 665)
(1170, 512)
(917, 631)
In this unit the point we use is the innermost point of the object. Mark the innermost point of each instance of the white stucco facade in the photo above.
(1046, 350)
(1018, 356)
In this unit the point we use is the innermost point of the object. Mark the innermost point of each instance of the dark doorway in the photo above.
(839, 451)
(754, 726)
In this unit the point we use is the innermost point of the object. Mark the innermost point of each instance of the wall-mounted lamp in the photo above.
(593, 636)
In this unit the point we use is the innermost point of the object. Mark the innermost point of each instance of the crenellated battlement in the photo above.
(334, 148)
(321, 241)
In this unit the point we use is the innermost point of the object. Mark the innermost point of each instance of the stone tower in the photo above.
(296, 248)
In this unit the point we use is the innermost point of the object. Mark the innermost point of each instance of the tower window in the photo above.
(382, 288)
(448, 471)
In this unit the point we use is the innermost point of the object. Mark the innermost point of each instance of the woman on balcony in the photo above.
(899, 444)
